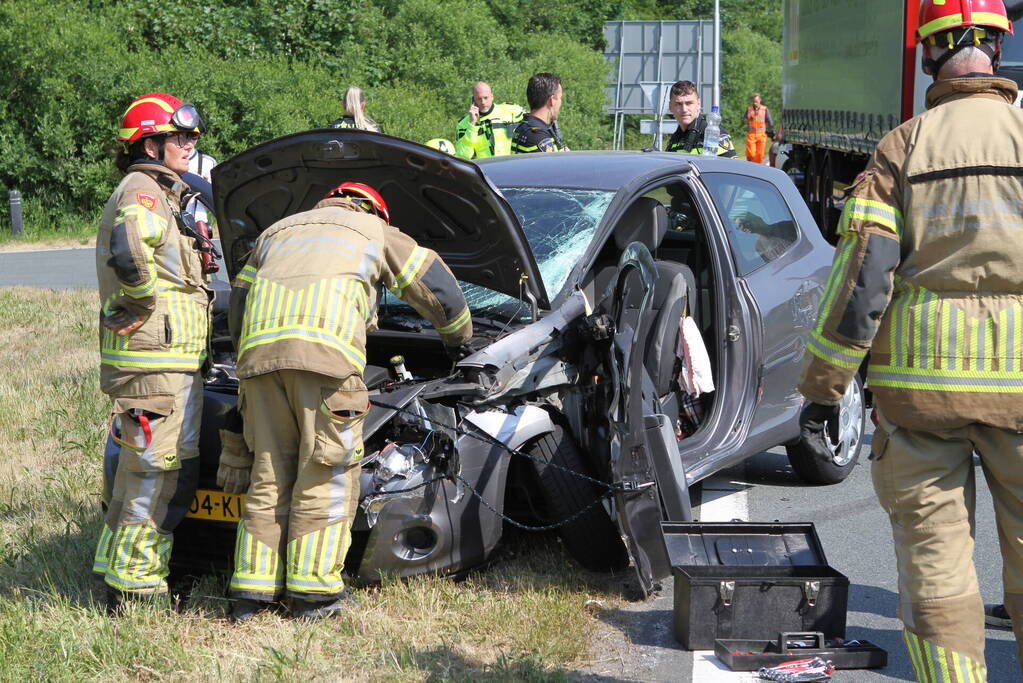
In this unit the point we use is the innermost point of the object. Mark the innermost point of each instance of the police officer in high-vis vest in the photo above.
(488, 128)
(684, 104)
(928, 277)
(154, 318)
(300, 310)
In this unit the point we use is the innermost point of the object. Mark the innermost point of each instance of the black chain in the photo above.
(610, 489)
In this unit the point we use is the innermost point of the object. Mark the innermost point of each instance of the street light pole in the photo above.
(717, 53)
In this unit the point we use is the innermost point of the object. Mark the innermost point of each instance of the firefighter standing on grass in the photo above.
(300, 309)
(154, 322)
(927, 277)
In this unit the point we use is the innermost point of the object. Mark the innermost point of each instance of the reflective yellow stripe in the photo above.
(410, 270)
(151, 359)
(101, 560)
(869, 210)
(247, 275)
(273, 312)
(140, 559)
(310, 571)
(955, 20)
(831, 352)
(150, 228)
(256, 565)
(929, 379)
(458, 323)
(836, 278)
(305, 333)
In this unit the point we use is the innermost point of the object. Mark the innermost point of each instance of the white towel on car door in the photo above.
(695, 377)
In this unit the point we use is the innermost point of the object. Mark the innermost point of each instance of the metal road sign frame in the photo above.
(647, 57)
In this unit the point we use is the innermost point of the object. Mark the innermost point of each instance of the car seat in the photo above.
(646, 221)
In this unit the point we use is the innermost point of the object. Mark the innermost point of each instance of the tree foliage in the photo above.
(258, 69)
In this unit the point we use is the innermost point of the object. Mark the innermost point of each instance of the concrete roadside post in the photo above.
(14, 198)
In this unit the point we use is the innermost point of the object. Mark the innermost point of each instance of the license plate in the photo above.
(216, 506)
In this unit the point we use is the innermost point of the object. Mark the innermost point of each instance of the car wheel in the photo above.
(852, 420)
(592, 539)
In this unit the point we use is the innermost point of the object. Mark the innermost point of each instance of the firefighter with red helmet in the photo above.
(927, 277)
(154, 318)
(299, 313)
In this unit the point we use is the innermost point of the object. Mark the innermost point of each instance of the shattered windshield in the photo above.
(559, 224)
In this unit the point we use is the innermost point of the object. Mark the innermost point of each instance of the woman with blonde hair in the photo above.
(355, 112)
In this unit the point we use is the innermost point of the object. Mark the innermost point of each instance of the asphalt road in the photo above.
(49, 268)
(853, 530)
(857, 541)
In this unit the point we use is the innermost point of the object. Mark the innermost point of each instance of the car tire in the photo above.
(592, 539)
(852, 421)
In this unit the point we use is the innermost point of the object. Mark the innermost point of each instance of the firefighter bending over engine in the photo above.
(300, 309)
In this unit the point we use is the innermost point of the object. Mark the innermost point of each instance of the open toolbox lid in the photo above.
(758, 544)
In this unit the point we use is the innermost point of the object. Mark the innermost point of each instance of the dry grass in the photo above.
(522, 619)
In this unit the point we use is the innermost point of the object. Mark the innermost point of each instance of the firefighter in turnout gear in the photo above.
(300, 310)
(488, 128)
(927, 278)
(153, 332)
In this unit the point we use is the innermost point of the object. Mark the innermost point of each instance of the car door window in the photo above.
(761, 227)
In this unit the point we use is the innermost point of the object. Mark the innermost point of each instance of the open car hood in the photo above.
(443, 202)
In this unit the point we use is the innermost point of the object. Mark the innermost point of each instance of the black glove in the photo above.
(457, 353)
(815, 420)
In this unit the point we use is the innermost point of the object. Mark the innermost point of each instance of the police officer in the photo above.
(538, 131)
(684, 105)
(300, 309)
(355, 112)
(927, 278)
(154, 325)
(488, 128)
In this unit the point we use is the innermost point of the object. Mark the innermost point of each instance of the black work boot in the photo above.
(244, 609)
(314, 610)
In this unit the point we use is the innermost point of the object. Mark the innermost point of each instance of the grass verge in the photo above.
(524, 618)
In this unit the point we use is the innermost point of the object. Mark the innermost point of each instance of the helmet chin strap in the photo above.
(992, 48)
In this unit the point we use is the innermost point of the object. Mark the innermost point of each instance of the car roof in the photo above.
(602, 170)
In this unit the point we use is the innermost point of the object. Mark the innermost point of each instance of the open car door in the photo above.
(645, 464)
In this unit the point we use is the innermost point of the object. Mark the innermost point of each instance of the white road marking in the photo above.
(721, 501)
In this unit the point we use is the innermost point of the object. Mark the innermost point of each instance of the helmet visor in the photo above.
(186, 118)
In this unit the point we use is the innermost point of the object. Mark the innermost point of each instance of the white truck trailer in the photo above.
(851, 73)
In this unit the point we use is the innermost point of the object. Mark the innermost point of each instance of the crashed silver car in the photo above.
(575, 411)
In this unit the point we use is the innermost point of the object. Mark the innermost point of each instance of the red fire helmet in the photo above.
(363, 192)
(944, 15)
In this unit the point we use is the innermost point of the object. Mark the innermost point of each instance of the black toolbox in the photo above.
(752, 581)
(751, 655)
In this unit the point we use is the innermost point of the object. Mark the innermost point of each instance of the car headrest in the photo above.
(646, 221)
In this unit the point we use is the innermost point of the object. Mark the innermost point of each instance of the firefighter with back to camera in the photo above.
(300, 310)
(927, 277)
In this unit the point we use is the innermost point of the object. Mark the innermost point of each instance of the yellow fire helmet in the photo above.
(441, 144)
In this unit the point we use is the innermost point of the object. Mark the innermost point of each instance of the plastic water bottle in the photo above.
(713, 133)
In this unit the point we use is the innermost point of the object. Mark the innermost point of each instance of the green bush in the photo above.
(258, 69)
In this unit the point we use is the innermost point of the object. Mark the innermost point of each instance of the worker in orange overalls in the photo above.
(758, 122)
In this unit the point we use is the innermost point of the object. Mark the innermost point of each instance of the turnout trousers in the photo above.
(305, 430)
(756, 143)
(926, 483)
(155, 421)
